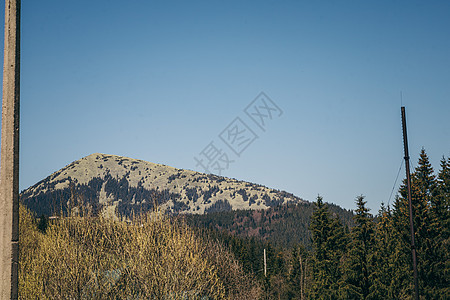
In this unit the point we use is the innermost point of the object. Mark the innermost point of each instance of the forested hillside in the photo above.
(284, 226)
(370, 260)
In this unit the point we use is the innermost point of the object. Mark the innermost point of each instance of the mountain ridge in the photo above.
(120, 186)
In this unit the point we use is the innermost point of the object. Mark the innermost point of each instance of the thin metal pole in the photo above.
(408, 183)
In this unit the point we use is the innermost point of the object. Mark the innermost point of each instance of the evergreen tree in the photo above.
(428, 221)
(329, 245)
(390, 260)
(358, 263)
(424, 187)
(439, 256)
(401, 281)
(381, 258)
(43, 224)
(299, 279)
(440, 206)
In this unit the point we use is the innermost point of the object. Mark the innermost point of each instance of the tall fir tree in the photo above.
(439, 257)
(440, 206)
(391, 261)
(299, 273)
(329, 243)
(358, 261)
(428, 220)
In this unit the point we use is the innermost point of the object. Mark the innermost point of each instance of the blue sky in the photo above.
(160, 80)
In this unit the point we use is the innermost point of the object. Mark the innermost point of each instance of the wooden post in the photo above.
(9, 172)
(265, 264)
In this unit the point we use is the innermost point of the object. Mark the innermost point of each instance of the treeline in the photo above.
(373, 260)
(283, 226)
(369, 260)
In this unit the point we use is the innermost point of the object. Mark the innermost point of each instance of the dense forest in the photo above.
(371, 259)
(283, 225)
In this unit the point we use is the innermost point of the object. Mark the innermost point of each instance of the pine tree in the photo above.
(299, 278)
(440, 206)
(439, 256)
(424, 193)
(425, 202)
(329, 242)
(358, 263)
(380, 277)
(400, 262)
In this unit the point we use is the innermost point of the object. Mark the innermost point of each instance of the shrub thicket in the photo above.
(153, 258)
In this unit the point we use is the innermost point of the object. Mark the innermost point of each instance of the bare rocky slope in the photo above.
(117, 186)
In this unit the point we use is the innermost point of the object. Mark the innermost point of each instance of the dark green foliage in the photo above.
(358, 263)
(219, 206)
(210, 192)
(430, 216)
(299, 276)
(439, 254)
(390, 259)
(250, 253)
(367, 258)
(43, 224)
(284, 225)
(192, 194)
(329, 244)
(243, 193)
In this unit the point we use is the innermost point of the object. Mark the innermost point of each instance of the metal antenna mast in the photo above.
(408, 180)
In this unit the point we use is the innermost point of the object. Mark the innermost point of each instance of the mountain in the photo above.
(119, 186)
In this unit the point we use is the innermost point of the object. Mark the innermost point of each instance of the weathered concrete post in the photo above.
(9, 170)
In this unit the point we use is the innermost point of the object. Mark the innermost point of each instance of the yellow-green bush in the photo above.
(96, 258)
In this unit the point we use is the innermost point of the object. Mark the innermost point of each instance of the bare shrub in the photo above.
(95, 258)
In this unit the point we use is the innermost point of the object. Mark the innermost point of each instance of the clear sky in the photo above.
(161, 80)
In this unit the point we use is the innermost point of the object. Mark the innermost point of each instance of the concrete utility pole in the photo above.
(9, 172)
